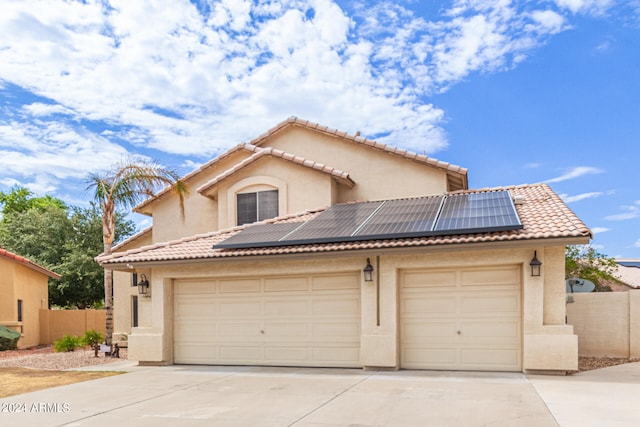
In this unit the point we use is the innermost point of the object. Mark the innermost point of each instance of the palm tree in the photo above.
(124, 186)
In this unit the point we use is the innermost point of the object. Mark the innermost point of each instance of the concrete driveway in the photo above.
(239, 396)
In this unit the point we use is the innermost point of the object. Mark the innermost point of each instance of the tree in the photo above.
(65, 240)
(124, 186)
(19, 199)
(585, 262)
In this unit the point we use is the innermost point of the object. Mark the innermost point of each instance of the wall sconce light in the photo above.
(143, 285)
(368, 271)
(535, 265)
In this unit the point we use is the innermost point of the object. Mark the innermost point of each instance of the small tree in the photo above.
(585, 262)
(125, 185)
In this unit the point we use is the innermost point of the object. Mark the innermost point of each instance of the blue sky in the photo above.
(515, 91)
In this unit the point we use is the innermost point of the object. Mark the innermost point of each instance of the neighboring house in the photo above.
(364, 255)
(25, 290)
(628, 272)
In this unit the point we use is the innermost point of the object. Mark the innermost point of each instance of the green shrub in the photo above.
(92, 337)
(8, 338)
(67, 343)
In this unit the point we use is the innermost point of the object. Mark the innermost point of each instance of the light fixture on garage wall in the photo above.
(535, 265)
(368, 271)
(143, 285)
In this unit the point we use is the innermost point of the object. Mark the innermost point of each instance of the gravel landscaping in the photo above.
(46, 358)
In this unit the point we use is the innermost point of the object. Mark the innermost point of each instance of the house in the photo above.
(25, 290)
(628, 272)
(308, 246)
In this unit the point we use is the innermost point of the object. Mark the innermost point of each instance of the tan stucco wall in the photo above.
(54, 324)
(607, 323)
(20, 282)
(380, 343)
(377, 175)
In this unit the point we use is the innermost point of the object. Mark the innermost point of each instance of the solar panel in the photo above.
(418, 217)
(259, 233)
(403, 217)
(477, 213)
(336, 222)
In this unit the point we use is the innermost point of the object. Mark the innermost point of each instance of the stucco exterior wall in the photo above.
(18, 282)
(378, 175)
(54, 324)
(607, 323)
(546, 345)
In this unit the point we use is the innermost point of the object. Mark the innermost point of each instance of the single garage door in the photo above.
(461, 319)
(307, 320)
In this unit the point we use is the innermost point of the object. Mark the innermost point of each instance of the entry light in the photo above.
(368, 271)
(535, 265)
(143, 285)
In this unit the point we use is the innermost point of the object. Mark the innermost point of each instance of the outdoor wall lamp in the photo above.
(143, 285)
(368, 271)
(535, 265)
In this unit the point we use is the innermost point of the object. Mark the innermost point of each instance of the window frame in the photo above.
(265, 206)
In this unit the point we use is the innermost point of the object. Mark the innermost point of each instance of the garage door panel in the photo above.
(198, 287)
(192, 308)
(427, 332)
(491, 359)
(491, 332)
(291, 307)
(437, 358)
(336, 305)
(287, 354)
(478, 303)
(347, 357)
(335, 282)
(238, 330)
(239, 308)
(240, 354)
(197, 353)
(286, 284)
(508, 275)
(276, 331)
(429, 305)
(429, 279)
(337, 331)
(233, 286)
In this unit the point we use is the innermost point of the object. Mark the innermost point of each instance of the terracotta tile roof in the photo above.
(338, 175)
(32, 265)
(457, 175)
(542, 213)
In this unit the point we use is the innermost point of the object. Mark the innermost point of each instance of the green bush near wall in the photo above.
(8, 338)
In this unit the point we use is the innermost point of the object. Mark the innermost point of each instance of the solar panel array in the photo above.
(418, 217)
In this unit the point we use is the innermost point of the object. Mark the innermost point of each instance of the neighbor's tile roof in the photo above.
(32, 265)
(259, 153)
(542, 213)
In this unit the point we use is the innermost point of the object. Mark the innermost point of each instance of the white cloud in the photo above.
(206, 76)
(597, 230)
(595, 7)
(631, 212)
(637, 244)
(583, 196)
(576, 172)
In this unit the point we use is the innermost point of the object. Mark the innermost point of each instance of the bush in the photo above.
(92, 337)
(67, 343)
(8, 338)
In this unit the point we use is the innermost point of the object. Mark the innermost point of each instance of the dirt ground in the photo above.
(23, 371)
(14, 381)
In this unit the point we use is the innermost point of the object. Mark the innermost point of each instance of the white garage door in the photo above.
(279, 321)
(463, 319)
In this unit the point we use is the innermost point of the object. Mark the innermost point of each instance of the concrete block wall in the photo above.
(607, 323)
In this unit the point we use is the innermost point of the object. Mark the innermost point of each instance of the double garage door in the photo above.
(307, 320)
(461, 319)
